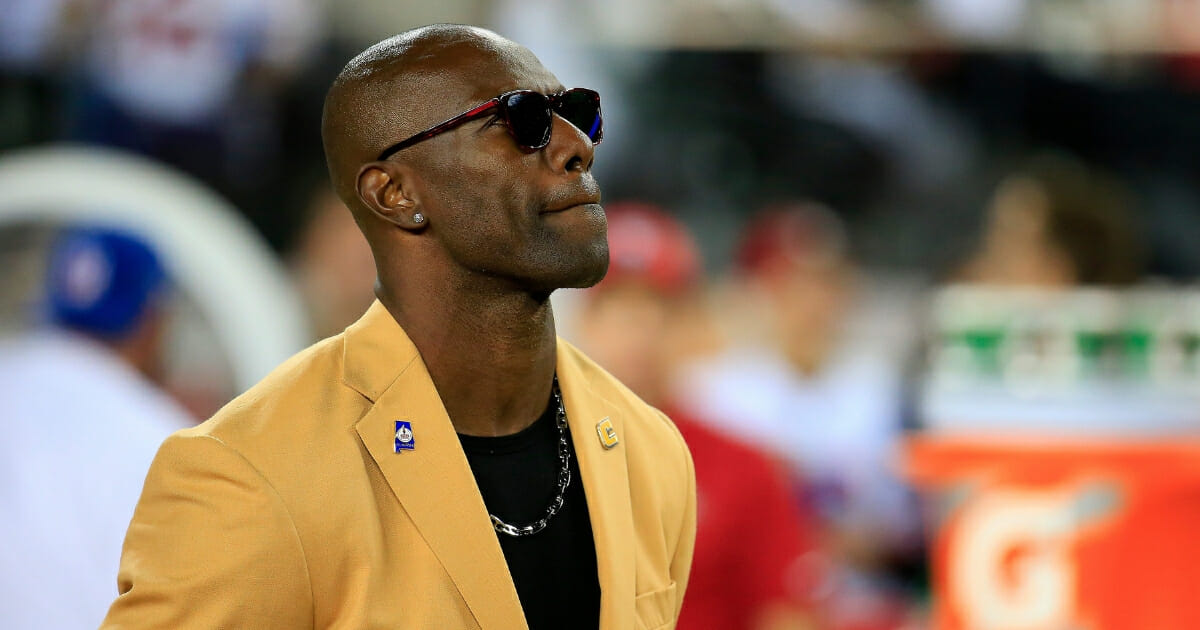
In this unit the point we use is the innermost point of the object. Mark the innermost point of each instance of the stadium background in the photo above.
(894, 128)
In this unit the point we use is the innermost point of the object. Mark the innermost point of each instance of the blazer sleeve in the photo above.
(681, 563)
(211, 545)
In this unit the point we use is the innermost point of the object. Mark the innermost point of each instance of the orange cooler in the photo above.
(1038, 534)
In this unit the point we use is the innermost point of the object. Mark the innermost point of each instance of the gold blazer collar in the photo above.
(435, 486)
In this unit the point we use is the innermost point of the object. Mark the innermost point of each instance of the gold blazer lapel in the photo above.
(606, 482)
(433, 481)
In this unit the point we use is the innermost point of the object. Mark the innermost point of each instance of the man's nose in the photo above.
(570, 149)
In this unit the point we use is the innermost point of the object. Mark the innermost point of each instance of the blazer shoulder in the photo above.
(302, 390)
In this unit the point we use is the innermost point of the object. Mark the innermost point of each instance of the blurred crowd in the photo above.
(816, 254)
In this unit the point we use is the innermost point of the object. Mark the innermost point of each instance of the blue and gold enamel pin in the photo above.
(404, 436)
(608, 435)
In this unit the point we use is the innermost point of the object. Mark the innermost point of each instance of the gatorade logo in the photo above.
(1012, 555)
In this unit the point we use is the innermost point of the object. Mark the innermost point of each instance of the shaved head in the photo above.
(468, 206)
(399, 87)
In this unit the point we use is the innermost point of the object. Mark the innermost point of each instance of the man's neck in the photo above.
(491, 356)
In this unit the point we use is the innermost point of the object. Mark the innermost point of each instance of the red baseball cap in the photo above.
(783, 235)
(647, 244)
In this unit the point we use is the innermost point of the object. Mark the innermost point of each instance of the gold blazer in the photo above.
(289, 508)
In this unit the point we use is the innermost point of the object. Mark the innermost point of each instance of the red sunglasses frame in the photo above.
(484, 109)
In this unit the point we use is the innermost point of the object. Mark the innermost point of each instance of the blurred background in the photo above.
(915, 277)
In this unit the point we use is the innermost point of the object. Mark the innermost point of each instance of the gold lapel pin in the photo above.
(608, 435)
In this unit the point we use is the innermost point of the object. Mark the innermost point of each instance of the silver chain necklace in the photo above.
(564, 480)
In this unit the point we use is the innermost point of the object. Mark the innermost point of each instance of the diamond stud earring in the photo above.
(418, 218)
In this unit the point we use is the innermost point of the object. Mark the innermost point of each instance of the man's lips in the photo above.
(586, 194)
(574, 204)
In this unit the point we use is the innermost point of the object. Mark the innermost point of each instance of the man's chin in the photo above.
(591, 274)
(580, 274)
(583, 283)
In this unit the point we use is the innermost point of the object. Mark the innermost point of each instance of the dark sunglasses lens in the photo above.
(582, 108)
(529, 119)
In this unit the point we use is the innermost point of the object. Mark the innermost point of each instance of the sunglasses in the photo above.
(528, 115)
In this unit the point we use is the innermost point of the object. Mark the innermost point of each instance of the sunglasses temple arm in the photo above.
(474, 113)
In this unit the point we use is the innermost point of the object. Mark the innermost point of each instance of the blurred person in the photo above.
(332, 265)
(800, 385)
(1053, 223)
(189, 82)
(755, 565)
(447, 462)
(1022, 336)
(29, 33)
(83, 418)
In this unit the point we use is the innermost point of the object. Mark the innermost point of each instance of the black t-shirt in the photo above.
(555, 569)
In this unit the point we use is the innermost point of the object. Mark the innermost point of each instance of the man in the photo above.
(814, 393)
(756, 566)
(1054, 223)
(447, 462)
(82, 420)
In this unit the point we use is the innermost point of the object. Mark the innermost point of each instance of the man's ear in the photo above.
(386, 189)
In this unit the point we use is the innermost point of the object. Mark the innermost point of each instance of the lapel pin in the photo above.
(608, 435)
(404, 436)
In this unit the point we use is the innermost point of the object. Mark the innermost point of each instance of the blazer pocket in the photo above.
(656, 609)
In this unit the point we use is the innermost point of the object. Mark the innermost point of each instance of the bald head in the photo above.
(401, 86)
(468, 206)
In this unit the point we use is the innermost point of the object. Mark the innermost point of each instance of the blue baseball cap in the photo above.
(101, 281)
